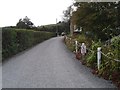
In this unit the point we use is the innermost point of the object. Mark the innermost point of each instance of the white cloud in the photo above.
(39, 11)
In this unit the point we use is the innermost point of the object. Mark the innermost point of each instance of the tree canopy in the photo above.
(24, 23)
(98, 19)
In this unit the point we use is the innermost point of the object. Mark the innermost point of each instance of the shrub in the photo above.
(91, 58)
(109, 69)
(115, 43)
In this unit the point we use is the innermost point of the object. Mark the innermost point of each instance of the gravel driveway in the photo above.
(49, 65)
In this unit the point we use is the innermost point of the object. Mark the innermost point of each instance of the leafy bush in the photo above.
(91, 58)
(115, 43)
(70, 44)
(109, 69)
(16, 40)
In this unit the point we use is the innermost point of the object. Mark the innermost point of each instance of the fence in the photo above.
(99, 52)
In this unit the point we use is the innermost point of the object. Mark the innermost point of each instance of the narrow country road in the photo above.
(49, 65)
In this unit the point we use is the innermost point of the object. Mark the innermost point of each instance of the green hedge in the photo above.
(16, 40)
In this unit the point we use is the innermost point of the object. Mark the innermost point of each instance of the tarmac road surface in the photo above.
(49, 65)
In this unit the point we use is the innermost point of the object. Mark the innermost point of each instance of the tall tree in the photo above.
(24, 23)
(98, 18)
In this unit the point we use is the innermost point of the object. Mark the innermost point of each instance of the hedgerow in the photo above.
(17, 40)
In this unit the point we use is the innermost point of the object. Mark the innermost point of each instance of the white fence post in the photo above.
(83, 49)
(76, 44)
(98, 57)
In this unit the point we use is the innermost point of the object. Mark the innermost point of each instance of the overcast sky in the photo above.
(41, 12)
